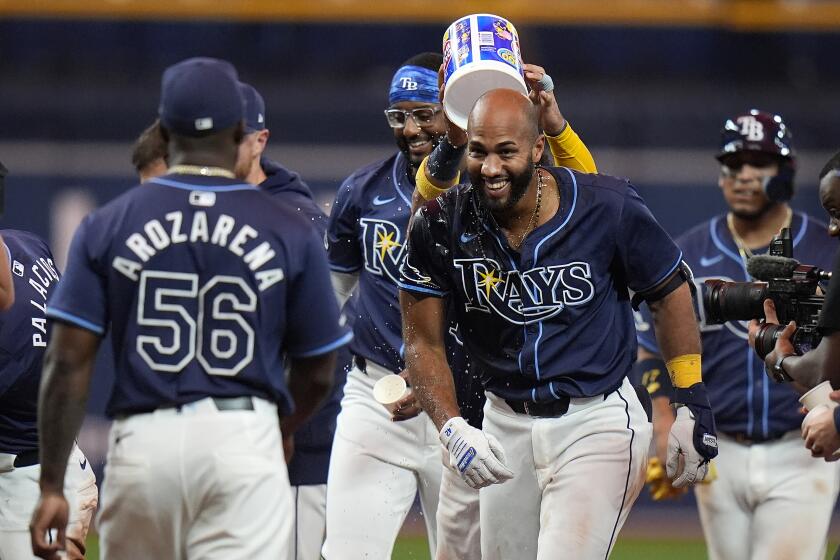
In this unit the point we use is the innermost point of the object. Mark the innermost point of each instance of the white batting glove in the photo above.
(685, 464)
(477, 456)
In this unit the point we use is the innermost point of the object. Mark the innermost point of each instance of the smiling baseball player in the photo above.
(538, 264)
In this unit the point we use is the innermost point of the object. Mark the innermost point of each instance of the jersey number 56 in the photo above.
(181, 321)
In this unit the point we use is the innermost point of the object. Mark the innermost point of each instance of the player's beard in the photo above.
(518, 187)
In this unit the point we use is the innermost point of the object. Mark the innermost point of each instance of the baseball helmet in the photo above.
(762, 132)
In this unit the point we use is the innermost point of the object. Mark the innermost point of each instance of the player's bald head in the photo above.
(505, 109)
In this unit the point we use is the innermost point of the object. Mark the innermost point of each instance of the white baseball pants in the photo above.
(19, 493)
(770, 501)
(575, 479)
(309, 522)
(196, 483)
(377, 467)
(458, 529)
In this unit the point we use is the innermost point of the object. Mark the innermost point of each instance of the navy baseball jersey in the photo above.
(554, 318)
(744, 399)
(24, 335)
(313, 440)
(205, 284)
(366, 235)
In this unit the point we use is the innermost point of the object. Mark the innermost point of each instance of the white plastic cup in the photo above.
(390, 390)
(817, 396)
(480, 53)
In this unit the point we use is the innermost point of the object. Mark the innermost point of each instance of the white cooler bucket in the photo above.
(480, 53)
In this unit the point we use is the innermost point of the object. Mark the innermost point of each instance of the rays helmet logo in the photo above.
(384, 249)
(522, 297)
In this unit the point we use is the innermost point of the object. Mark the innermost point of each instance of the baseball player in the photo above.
(538, 264)
(206, 283)
(149, 153)
(458, 505)
(366, 247)
(24, 335)
(309, 464)
(764, 473)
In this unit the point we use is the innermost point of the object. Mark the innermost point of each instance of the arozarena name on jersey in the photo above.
(42, 274)
(157, 235)
(524, 296)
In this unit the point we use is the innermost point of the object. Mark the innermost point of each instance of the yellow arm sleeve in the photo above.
(425, 187)
(570, 151)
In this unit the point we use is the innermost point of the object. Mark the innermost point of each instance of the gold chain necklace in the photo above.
(532, 223)
(204, 170)
(743, 250)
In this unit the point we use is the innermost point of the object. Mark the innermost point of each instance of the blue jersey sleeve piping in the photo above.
(412, 288)
(345, 269)
(323, 349)
(66, 317)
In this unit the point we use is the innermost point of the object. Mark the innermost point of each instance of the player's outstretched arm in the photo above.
(7, 285)
(68, 366)
(477, 456)
(693, 435)
(425, 356)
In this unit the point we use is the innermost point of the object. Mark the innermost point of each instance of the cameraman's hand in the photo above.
(784, 346)
(820, 433)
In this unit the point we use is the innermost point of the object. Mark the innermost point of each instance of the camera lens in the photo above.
(765, 338)
(733, 301)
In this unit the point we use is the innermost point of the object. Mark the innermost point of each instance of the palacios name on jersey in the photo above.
(42, 274)
(384, 249)
(522, 297)
(241, 240)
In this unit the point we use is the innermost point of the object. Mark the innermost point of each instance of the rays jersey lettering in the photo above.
(522, 297)
(383, 247)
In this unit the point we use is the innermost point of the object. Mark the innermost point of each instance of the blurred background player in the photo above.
(24, 335)
(309, 463)
(458, 522)
(537, 275)
(763, 472)
(207, 284)
(377, 465)
(149, 153)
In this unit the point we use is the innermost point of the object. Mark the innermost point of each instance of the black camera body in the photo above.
(792, 287)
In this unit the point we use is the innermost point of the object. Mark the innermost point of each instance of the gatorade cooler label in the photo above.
(457, 46)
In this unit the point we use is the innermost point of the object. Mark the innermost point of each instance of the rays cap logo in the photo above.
(200, 96)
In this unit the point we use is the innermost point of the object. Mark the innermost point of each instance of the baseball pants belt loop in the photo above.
(551, 409)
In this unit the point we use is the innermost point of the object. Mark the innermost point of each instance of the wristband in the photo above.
(685, 370)
(445, 161)
(837, 418)
(425, 187)
(653, 375)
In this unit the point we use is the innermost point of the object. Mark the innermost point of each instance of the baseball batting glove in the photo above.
(477, 456)
(692, 436)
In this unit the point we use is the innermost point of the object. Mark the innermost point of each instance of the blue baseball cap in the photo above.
(254, 108)
(200, 96)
